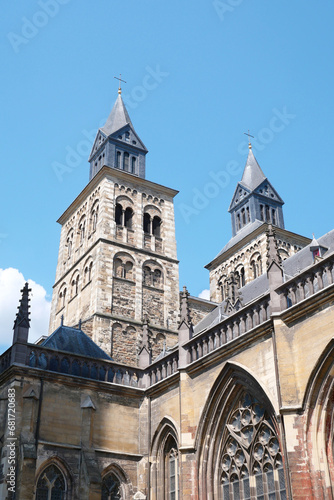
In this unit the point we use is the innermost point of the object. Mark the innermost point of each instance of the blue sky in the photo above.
(199, 75)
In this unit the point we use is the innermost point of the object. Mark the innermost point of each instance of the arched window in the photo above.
(238, 222)
(156, 225)
(119, 159)
(171, 470)
(94, 216)
(251, 449)
(126, 161)
(75, 285)
(82, 229)
(62, 297)
(133, 165)
(267, 213)
(157, 278)
(248, 214)
(69, 243)
(147, 276)
(262, 212)
(147, 223)
(119, 214)
(243, 215)
(111, 488)
(128, 214)
(51, 484)
(274, 218)
(88, 271)
(256, 265)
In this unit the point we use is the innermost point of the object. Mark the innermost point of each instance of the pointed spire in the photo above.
(145, 351)
(185, 312)
(118, 118)
(273, 255)
(22, 316)
(252, 175)
(22, 322)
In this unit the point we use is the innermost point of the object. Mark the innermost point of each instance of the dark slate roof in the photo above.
(117, 119)
(253, 175)
(253, 290)
(74, 341)
(249, 292)
(245, 231)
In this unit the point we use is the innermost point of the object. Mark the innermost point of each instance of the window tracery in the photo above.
(51, 484)
(251, 463)
(111, 488)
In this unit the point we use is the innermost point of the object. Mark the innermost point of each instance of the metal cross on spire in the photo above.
(249, 142)
(119, 83)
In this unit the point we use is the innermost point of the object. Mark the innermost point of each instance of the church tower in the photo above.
(255, 205)
(117, 264)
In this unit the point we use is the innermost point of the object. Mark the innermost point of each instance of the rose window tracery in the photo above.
(251, 464)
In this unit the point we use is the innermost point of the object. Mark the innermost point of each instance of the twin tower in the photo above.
(117, 265)
(117, 274)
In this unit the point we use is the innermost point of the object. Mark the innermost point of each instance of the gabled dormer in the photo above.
(255, 198)
(117, 144)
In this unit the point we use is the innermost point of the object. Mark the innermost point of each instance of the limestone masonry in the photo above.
(142, 391)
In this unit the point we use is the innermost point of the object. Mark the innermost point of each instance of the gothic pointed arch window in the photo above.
(111, 488)
(171, 470)
(251, 463)
(51, 484)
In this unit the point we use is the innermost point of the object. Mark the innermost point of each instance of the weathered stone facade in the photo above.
(200, 401)
(102, 263)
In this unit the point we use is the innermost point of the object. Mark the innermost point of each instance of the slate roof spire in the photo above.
(255, 199)
(253, 175)
(118, 118)
(117, 144)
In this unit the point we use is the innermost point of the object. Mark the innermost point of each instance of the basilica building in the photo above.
(140, 391)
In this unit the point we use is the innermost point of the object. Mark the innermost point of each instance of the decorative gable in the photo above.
(98, 143)
(266, 189)
(240, 194)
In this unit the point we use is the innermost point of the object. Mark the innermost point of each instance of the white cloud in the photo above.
(11, 284)
(205, 294)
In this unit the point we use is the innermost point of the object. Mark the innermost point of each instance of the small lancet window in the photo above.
(119, 158)
(51, 484)
(267, 213)
(133, 165)
(126, 161)
(111, 488)
(262, 212)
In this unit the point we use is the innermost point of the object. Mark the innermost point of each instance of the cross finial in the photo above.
(249, 142)
(119, 82)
